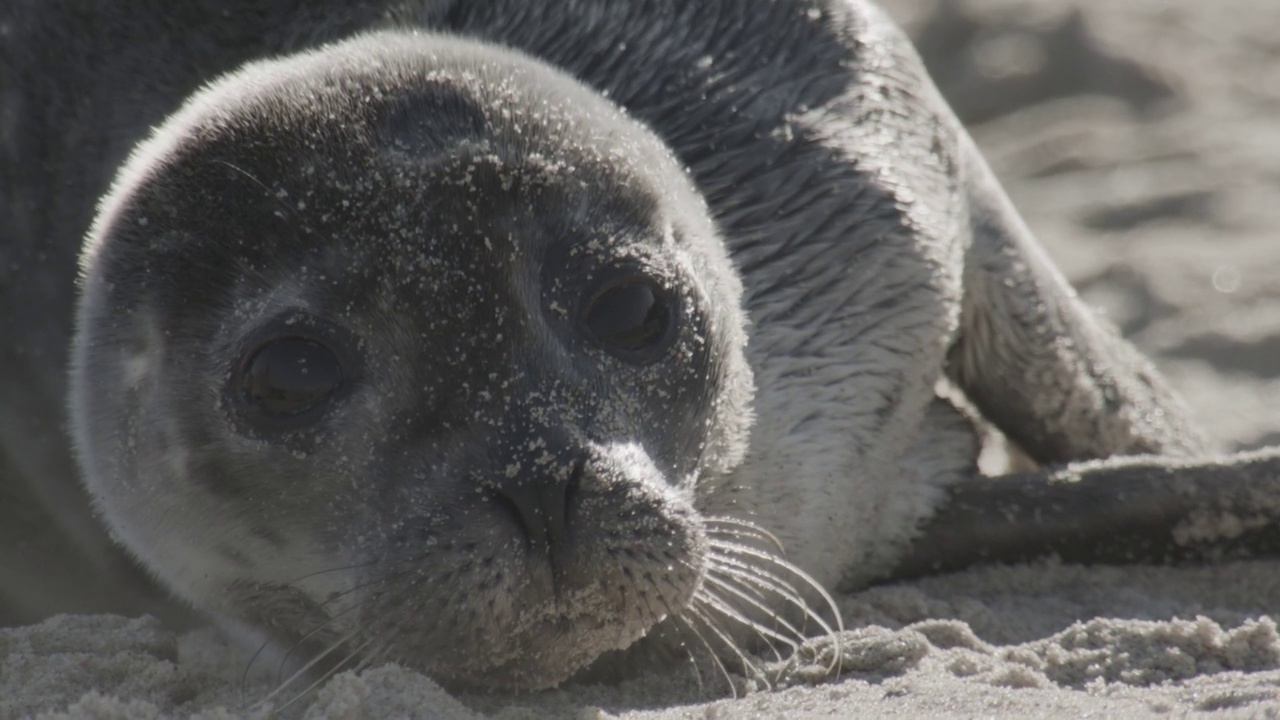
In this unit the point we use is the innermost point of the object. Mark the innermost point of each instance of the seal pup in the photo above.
(403, 345)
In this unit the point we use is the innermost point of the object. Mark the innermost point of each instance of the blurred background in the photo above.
(1141, 141)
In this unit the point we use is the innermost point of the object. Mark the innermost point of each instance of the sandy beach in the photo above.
(1141, 141)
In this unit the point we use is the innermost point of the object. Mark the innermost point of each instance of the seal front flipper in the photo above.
(1037, 362)
(1120, 510)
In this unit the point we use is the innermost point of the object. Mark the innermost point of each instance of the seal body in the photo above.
(489, 336)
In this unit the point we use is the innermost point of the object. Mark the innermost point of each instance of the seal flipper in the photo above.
(1037, 362)
(1120, 510)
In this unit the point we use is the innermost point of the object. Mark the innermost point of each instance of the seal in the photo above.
(491, 338)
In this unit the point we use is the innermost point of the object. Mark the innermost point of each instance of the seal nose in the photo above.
(540, 503)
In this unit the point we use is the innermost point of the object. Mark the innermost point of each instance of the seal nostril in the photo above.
(522, 514)
(541, 506)
(571, 488)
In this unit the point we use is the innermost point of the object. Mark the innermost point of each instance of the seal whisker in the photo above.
(689, 635)
(389, 579)
(727, 549)
(767, 587)
(313, 632)
(752, 575)
(343, 568)
(761, 580)
(715, 603)
(749, 668)
(726, 608)
(371, 659)
(682, 627)
(316, 660)
(386, 628)
(754, 584)
(244, 677)
(691, 614)
(792, 642)
(744, 536)
(749, 588)
(324, 677)
(741, 528)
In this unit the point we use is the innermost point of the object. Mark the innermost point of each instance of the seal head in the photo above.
(411, 349)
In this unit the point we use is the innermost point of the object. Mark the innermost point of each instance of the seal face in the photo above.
(412, 349)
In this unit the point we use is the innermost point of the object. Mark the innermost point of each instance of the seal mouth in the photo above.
(541, 633)
(722, 585)
(528, 578)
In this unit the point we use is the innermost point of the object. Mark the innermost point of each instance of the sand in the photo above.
(1141, 140)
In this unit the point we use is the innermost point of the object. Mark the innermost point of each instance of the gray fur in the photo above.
(876, 253)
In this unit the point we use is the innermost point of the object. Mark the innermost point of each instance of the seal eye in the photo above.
(288, 376)
(633, 317)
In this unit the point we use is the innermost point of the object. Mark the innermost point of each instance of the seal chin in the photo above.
(559, 638)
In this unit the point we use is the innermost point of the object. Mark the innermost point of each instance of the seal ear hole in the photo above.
(631, 315)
